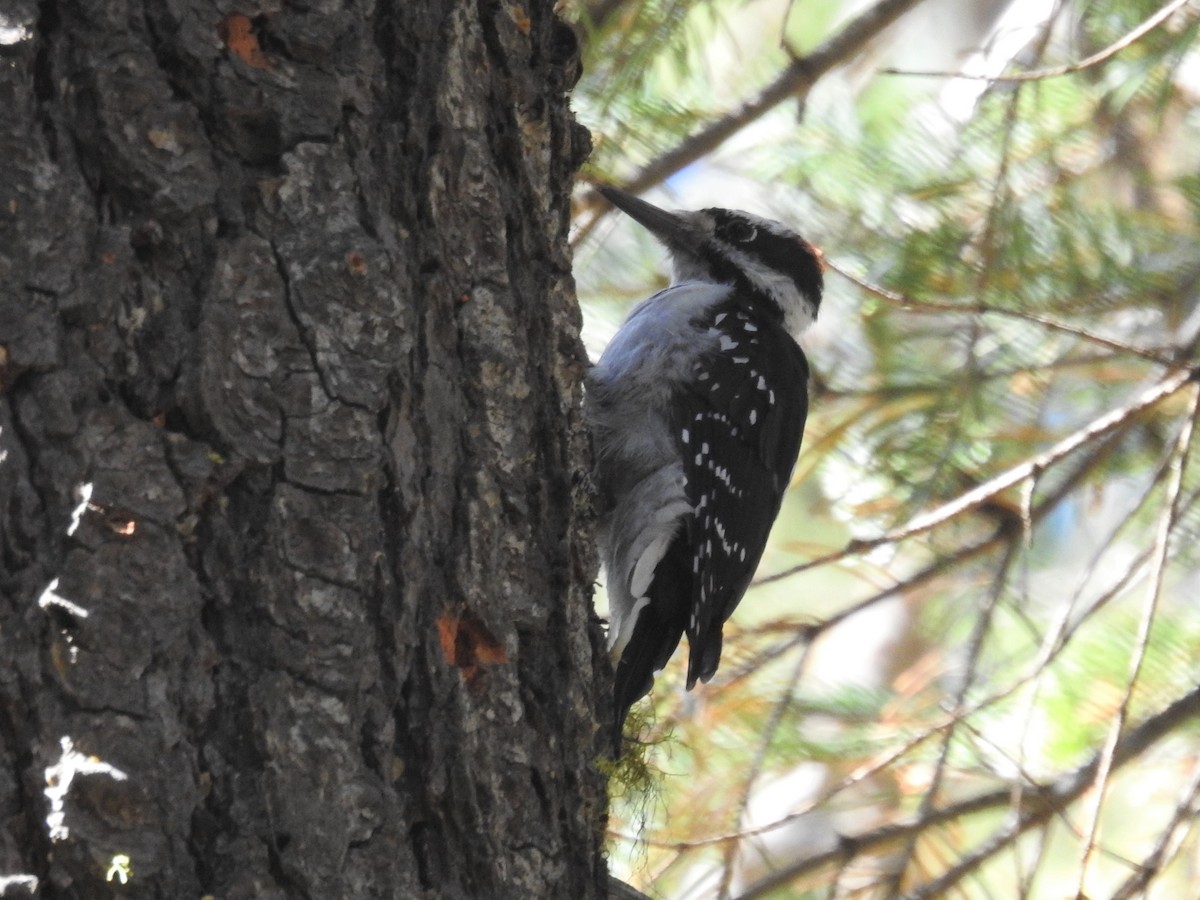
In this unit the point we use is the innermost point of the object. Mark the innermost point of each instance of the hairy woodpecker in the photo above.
(696, 408)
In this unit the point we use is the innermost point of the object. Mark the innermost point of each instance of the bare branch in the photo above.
(1035, 465)
(957, 711)
(786, 698)
(1053, 645)
(1181, 821)
(1038, 803)
(908, 304)
(1056, 71)
(795, 81)
(1050, 652)
(1141, 644)
(1030, 468)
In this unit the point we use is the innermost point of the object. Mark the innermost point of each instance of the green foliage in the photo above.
(1004, 278)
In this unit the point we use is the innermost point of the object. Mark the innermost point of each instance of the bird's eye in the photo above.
(741, 232)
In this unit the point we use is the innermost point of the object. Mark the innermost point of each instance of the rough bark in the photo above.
(289, 288)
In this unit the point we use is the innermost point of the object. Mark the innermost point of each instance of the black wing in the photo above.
(739, 427)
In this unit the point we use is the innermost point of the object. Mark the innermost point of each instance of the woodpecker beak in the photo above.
(671, 229)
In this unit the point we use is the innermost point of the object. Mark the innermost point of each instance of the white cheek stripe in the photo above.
(798, 311)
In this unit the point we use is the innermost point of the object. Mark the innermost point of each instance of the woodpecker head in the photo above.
(728, 246)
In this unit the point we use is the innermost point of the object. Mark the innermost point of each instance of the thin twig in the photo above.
(795, 81)
(1052, 648)
(1171, 384)
(1037, 805)
(964, 554)
(1047, 506)
(909, 305)
(1056, 638)
(1170, 516)
(859, 775)
(1181, 820)
(957, 712)
(1032, 467)
(1107, 435)
(1056, 71)
(786, 697)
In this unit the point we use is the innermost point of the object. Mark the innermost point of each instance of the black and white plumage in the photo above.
(697, 407)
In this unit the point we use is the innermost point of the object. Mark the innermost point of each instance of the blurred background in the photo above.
(971, 665)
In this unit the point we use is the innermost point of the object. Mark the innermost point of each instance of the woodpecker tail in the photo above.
(704, 655)
(648, 650)
(656, 633)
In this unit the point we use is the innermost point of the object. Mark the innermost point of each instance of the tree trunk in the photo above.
(294, 569)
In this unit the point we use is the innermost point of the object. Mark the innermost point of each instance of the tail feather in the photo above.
(704, 655)
(656, 632)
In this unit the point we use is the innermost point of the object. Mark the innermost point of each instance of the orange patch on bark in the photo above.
(468, 645)
(237, 32)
